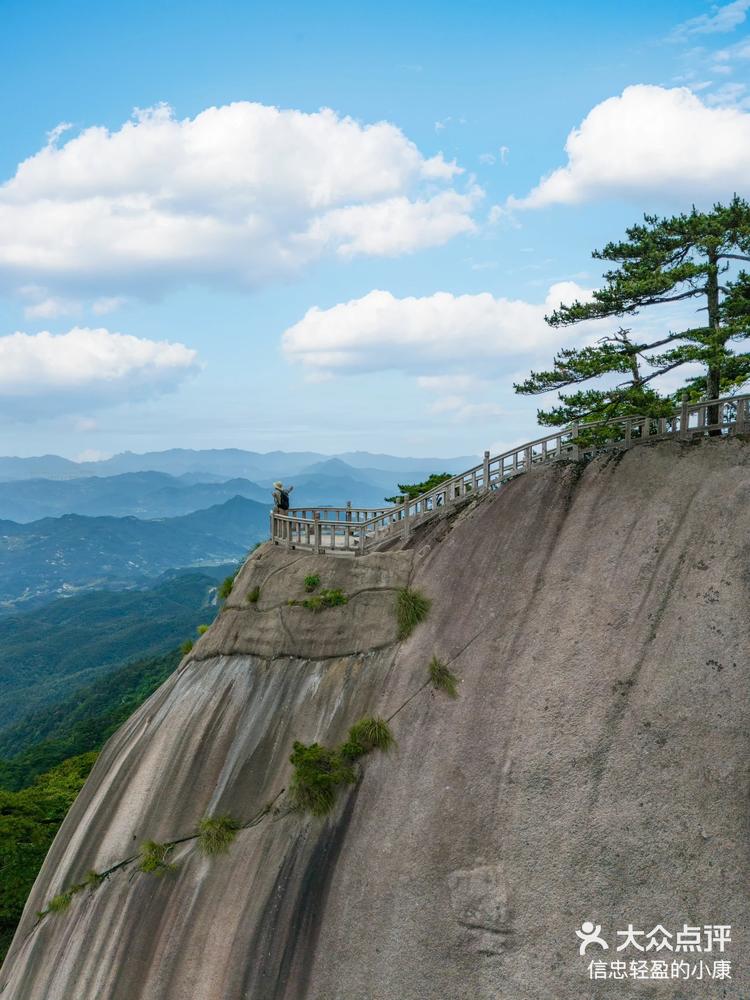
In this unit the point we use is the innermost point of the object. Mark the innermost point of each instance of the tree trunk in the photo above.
(713, 377)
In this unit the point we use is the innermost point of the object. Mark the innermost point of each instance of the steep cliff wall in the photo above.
(594, 766)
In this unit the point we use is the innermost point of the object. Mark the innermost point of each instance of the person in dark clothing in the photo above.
(281, 496)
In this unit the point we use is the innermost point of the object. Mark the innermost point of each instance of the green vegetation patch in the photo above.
(216, 834)
(370, 733)
(154, 858)
(320, 772)
(60, 902)
(254, 595)
(410, 491)
(311, 582)
(186, 646)
(411, 609)
(202, 629)
(442, 679)
(225, 587)
(325, 599)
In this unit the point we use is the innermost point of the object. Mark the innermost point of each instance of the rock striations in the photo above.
(594, 766)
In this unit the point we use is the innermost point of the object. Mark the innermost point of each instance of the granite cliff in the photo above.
(594, 766)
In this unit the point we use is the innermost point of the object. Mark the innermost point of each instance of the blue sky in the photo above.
(426, 244)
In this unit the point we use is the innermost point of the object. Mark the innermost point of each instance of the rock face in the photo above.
(594, 766)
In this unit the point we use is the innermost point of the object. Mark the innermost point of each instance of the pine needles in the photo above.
(411, 609)
(216, 834)
(442, 679)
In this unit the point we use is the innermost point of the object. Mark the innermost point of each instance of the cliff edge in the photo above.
(594, 765)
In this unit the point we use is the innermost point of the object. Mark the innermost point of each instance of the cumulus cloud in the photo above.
(650, 141)
(433, 336)
(46, 373)
(242, 193)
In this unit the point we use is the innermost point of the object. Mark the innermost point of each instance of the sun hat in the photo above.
(278, 486)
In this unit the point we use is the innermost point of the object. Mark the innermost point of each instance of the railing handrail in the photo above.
(484, 471)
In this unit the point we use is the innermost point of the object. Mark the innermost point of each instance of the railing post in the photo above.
(740, 418)
(684, 418)
(528, 459)
(407, 523)
(317, 530)
(575, 453)
(628, 432)
(486, 471)
(348, 510)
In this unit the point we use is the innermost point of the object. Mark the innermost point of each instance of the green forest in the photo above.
(44, 761)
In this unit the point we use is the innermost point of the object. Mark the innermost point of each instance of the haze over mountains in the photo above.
(173, 483)
(224, 463)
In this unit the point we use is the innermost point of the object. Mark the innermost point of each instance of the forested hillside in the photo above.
(44, 761)
(60, 556)
(47, 654)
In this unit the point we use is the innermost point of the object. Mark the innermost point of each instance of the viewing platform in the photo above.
(355, 530)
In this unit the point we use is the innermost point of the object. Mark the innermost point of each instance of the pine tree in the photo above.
(660, 261)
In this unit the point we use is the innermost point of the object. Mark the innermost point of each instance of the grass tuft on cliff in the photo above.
(411, 609)
(318, 774)
(325, 599)
(60, 902)
(254, 595)
(216, 834)
(153, 860)
(442, 679)
(370, 733)
(225, 588)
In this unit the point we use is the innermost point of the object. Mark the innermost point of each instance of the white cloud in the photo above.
(108, 304)
(650, 141)
(51, 307)
(460, 410)
(722, 19)
(242, 193)
(440, 334)
(50, 373)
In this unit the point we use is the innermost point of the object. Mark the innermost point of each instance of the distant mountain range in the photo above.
(224, 463)
(157, 494)
(56, 557)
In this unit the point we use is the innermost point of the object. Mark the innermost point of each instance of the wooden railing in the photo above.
(356, 529)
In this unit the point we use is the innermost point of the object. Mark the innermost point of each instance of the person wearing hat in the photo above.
(281, 496)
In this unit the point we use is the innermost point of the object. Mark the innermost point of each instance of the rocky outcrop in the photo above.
(594, 766)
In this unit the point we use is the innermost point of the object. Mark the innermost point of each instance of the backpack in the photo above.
(283, 500)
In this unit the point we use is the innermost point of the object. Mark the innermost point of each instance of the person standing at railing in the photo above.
(281, 496)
